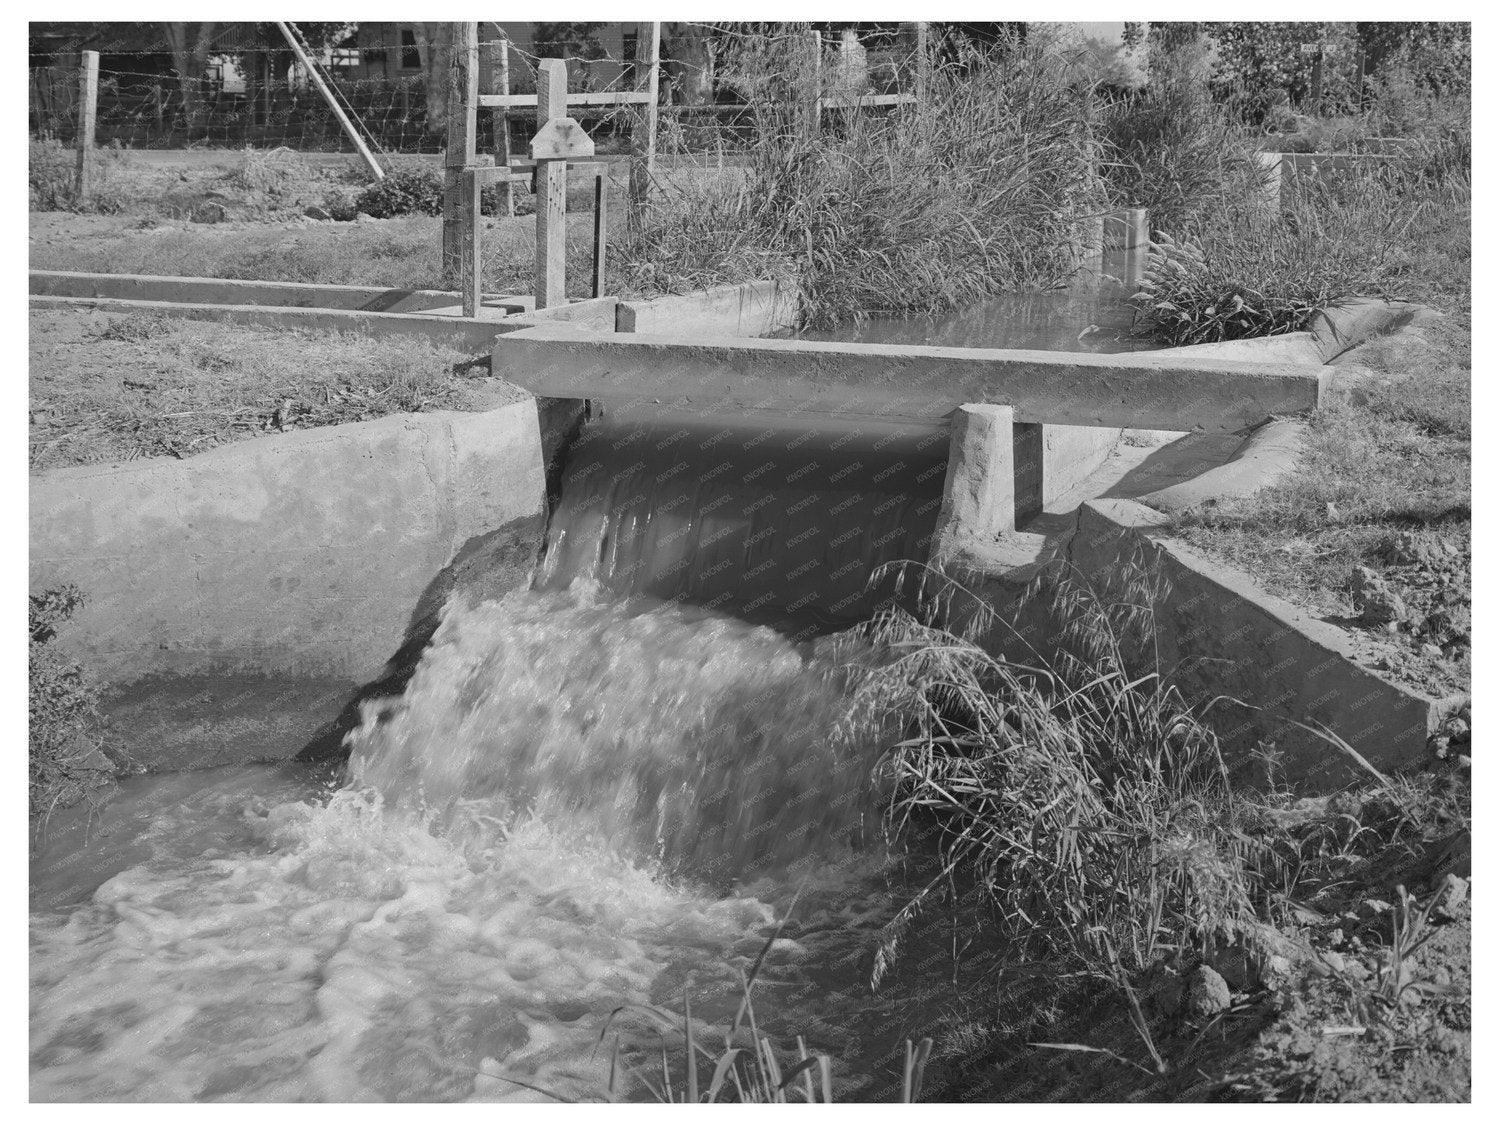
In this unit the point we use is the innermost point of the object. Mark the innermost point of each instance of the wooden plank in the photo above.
(88, 104)
(460, 151)
(915, 382)
(595, 98)
(551, 191)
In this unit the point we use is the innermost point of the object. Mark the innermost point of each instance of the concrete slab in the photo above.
(1147, 389)
(758, 308)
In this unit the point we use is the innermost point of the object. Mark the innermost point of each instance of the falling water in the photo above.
(600, 791)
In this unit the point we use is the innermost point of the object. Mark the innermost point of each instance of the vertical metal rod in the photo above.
(88, 104)
(600, 230)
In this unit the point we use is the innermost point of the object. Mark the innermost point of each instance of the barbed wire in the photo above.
(703, 109)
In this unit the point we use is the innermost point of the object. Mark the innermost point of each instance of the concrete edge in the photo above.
(1325, 644)
(472, 337)
(1347, 324)
(1268, 453)
(240, 291)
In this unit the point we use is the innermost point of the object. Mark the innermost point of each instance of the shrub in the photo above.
(1173, 150)
(1242, 270)
(65, 746)
(403, 191)
(52, 172)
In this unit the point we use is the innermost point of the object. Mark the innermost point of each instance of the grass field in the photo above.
(114, 388)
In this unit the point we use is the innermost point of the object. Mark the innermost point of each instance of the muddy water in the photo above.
(577, 804)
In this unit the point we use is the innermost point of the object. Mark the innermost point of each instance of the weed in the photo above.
(67, 763)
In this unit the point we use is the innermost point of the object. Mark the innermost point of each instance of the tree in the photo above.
(190, 44)
(435, 49)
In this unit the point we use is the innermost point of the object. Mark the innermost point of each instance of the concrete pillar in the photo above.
(1126, 229)
(979, 493)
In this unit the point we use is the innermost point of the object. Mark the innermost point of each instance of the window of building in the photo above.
(411, 58)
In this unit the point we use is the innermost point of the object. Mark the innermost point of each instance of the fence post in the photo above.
(88, 102)
(814, 105)
(643, 148)
(459, 152)
(551, 191)
(924, 63)
(500, 84)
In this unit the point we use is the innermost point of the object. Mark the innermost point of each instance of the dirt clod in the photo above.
(1207, 992)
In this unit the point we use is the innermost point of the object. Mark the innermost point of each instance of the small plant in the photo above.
(52, 176)
(67, 763)
(403, 191)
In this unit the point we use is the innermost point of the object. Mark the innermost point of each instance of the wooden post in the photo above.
(815, 76)
(88, 103)
(643, 148)
(471, 269)
(924, 63)
(459, 152)
(551, 191)
(500, 82)
(600, 230)
(365, 154)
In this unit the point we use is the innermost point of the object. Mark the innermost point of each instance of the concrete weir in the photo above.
(238, 598)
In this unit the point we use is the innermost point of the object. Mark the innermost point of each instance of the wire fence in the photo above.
(711, 101)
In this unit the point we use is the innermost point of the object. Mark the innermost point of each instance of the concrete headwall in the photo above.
(271, 566)
(757, 308)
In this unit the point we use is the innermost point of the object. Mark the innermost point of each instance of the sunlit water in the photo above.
(576, 805)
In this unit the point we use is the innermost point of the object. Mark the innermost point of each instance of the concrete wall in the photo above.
(259, 571)
(1220, 634)
(757, 308)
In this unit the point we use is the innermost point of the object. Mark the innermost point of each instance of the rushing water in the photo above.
(596, 792)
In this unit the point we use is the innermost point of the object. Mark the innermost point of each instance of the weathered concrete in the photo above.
(979, 489)
(472, 337)
(1148, 389)
(758, 308)
(1126, 229)
(1268, 453)
(304, 557)
(1222, 635)
(1346, 325)
(269, 294)
(1291, 347)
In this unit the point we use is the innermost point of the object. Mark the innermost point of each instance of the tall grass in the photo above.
(981, 189)
(1242, 269)
(1080, 805)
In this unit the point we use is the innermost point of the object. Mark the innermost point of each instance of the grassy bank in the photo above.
(1145, 931)
(116, 387)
